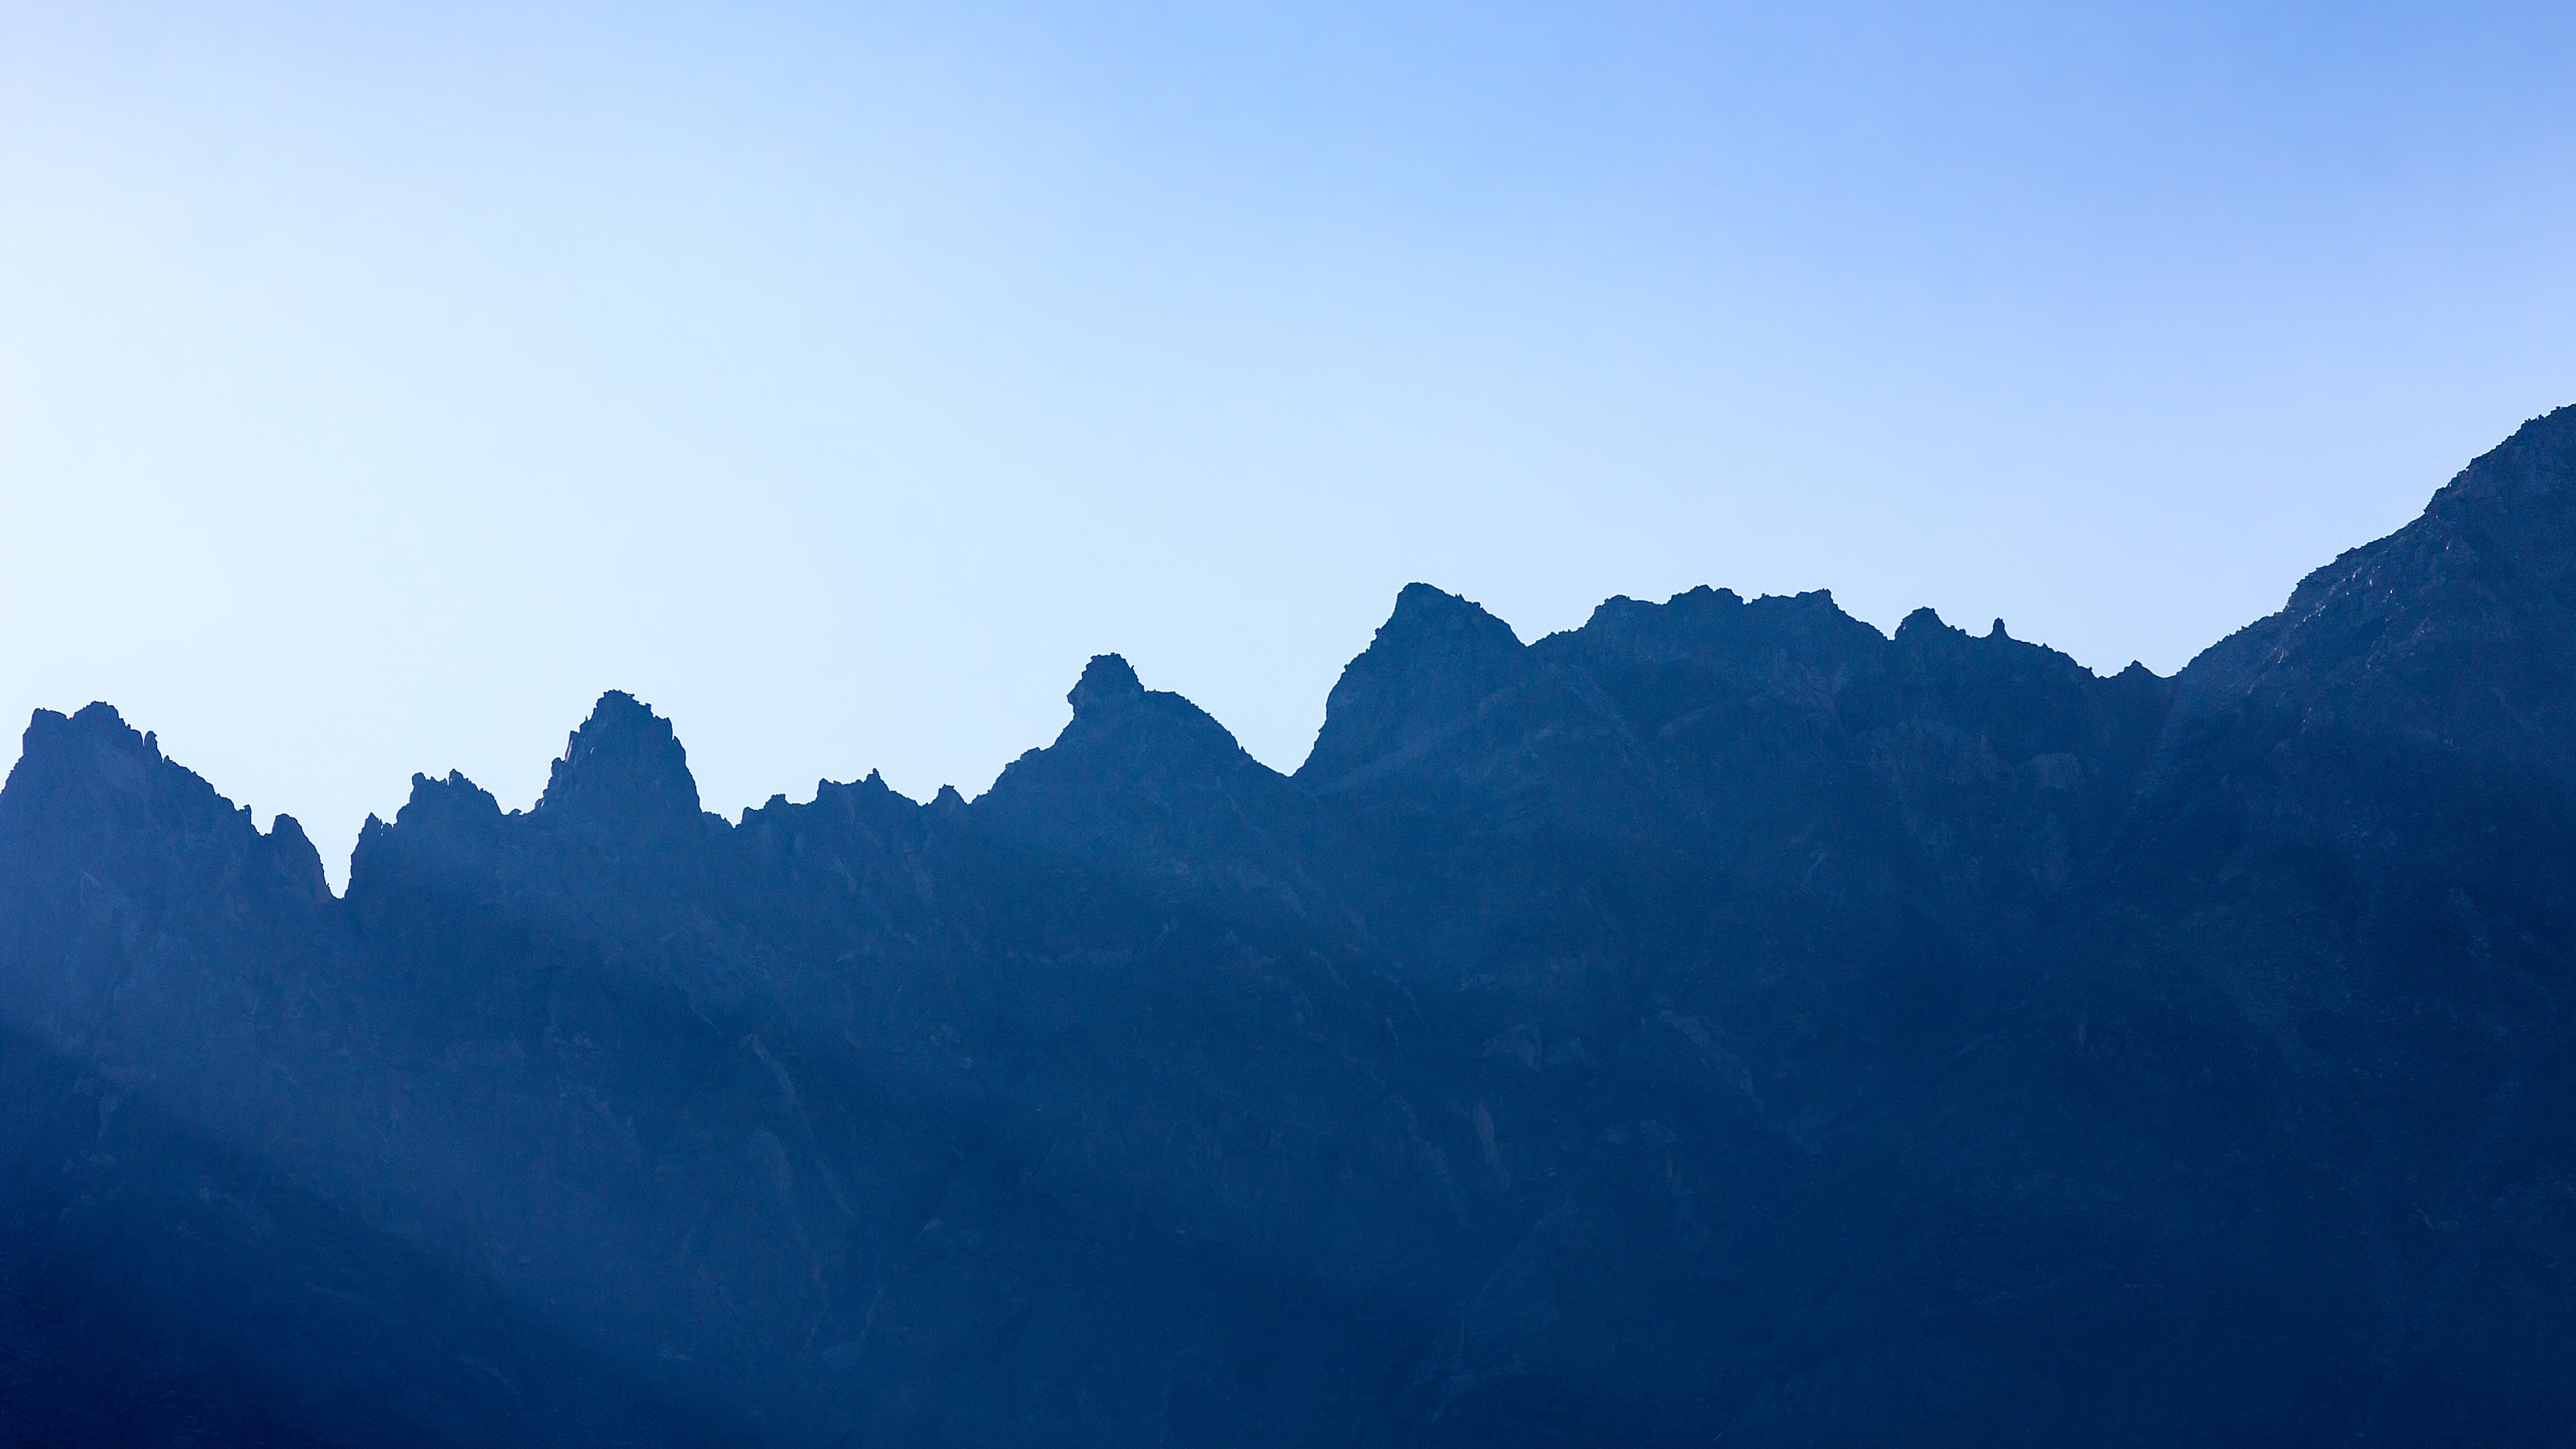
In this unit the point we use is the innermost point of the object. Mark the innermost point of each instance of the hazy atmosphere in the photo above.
(1447, 934)
(379, 384)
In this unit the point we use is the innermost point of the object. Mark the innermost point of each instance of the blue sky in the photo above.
(378, 383)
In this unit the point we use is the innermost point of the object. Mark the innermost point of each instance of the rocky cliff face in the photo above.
(1721, 1022)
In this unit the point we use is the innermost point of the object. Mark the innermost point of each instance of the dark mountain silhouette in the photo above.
(1721, 1023)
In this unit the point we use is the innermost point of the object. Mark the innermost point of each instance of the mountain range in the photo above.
(1722, 1023)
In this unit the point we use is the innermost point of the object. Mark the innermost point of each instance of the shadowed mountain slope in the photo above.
(1718, 1023)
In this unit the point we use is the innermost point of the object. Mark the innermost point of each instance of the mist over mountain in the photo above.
(1719, 1023)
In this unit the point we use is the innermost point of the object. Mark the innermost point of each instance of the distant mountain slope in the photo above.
(1718, 1023)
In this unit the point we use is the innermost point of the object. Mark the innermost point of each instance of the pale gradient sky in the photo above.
(378, 383)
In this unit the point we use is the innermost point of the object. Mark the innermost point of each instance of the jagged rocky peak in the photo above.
(2527, 481)
(2023, 699)
(623, 765)
(1437, 658)
(1107, 682)
(1122, 727)
(445, 819)
(94, 756)
(1925, 630)
(1924, 638)
(1717, 629)
(90, 781)
(2508, 520)
(452, 801)
(1430, 622)
(56, 746)
(96, 724)
(295, 858)
(101, 717)
(2486, 573)
(1697, 607)
(2511, 512)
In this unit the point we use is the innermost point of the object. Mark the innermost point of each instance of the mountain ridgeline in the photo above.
(1721, 1023)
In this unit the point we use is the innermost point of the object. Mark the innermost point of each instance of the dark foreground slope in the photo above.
(1720, 1023)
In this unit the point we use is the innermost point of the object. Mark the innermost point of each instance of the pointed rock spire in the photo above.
(1108, 680)
(292, 855)
(1434, 661)
(623, 765)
